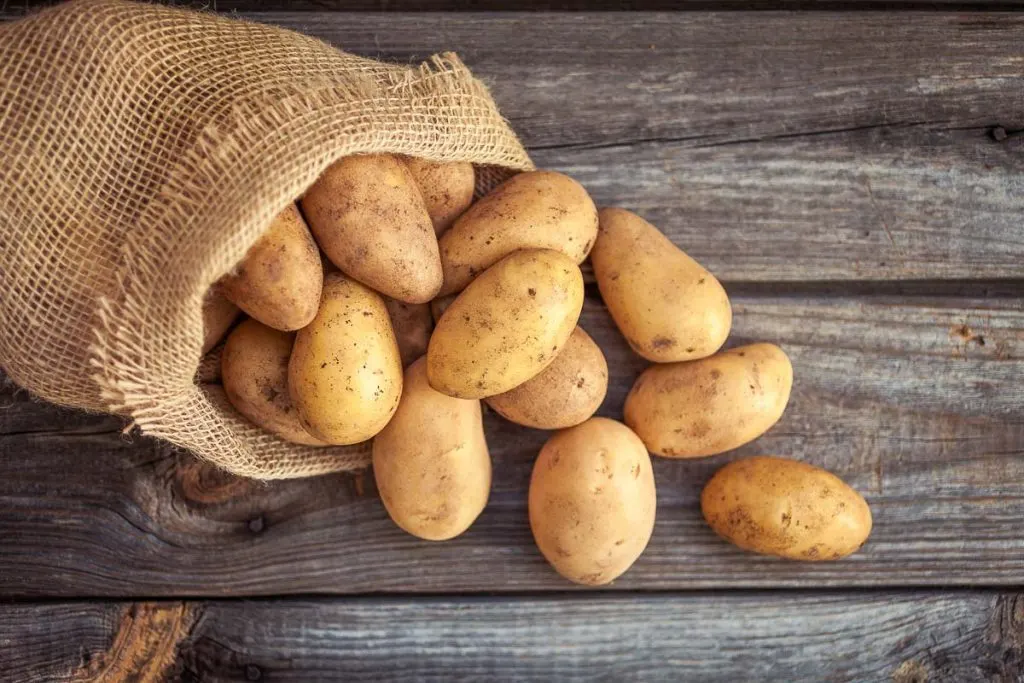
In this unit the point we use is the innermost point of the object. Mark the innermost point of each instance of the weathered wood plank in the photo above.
(16, 8)
(916, 401)
(957, 636)
(772, 146)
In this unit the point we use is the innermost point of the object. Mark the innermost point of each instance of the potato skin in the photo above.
(533, 210)
(218, 316)
(447, 189)
(279, 280)
(368, 216)
(254, 371)
(592, 501)
(709, 406)
(431, 462)
(412, 324)
(565, 393)
(787, 508)
(507, 326)
(345, 373)
(439, 305)
(668, 307)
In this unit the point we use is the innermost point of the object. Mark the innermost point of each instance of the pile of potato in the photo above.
(480, 302)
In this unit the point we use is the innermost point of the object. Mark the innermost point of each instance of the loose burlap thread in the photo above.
(143, 150)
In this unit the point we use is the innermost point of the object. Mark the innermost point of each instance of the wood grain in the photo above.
(903, 637)
(16, 8)
(770, 146)
(914, 400)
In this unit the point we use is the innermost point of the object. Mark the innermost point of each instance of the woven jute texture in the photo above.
(143, 149)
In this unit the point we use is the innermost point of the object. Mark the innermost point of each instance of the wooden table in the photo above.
(856, 181)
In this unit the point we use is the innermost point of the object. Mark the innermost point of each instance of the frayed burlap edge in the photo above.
(216, 184)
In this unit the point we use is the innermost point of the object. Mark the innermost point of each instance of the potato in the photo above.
(278, 282)
(507, 326)
(254, 371)
(787, 508)
(218, 316)
(431, 463)
(345, 373)
(709, 406)
(447, 189)
(412, 324)
(665, 304)
(534, 210)
(368, 216)
(592, 501)
(565, 393)
(439, 305)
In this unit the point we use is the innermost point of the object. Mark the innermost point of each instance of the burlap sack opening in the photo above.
(144, 149)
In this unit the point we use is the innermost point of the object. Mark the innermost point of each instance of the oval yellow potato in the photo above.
(254, 371)
(667, 306)
(430, 462)
(709, 406)
(345, 373)
(534, 210)
(412, 324)
(278, 282)
(218, 315)
(592, 501)
(507, 326)
(782, 507)
(447, 189)
(565, 393)
(369, 217)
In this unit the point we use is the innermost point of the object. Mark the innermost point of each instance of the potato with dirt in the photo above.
(712, 405)
(278, 282)
(369, 217)
(447, 188)
(345, 372)
(431, 462)
(507, 326)
(667, 306)
(413, 325)
(219, 315)
(565, 393)
(254, 372)
(592, 501)
(782, 507)
(533, 210)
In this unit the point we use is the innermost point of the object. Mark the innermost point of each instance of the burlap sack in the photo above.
(142, 151)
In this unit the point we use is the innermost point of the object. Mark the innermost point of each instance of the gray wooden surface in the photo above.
(916, 401)
(903, 637)
(845, 174)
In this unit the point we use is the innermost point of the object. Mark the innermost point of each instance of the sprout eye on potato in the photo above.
(786, 508)
(535, 210)
(668, 307)
(709, 406)
(592, 501)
